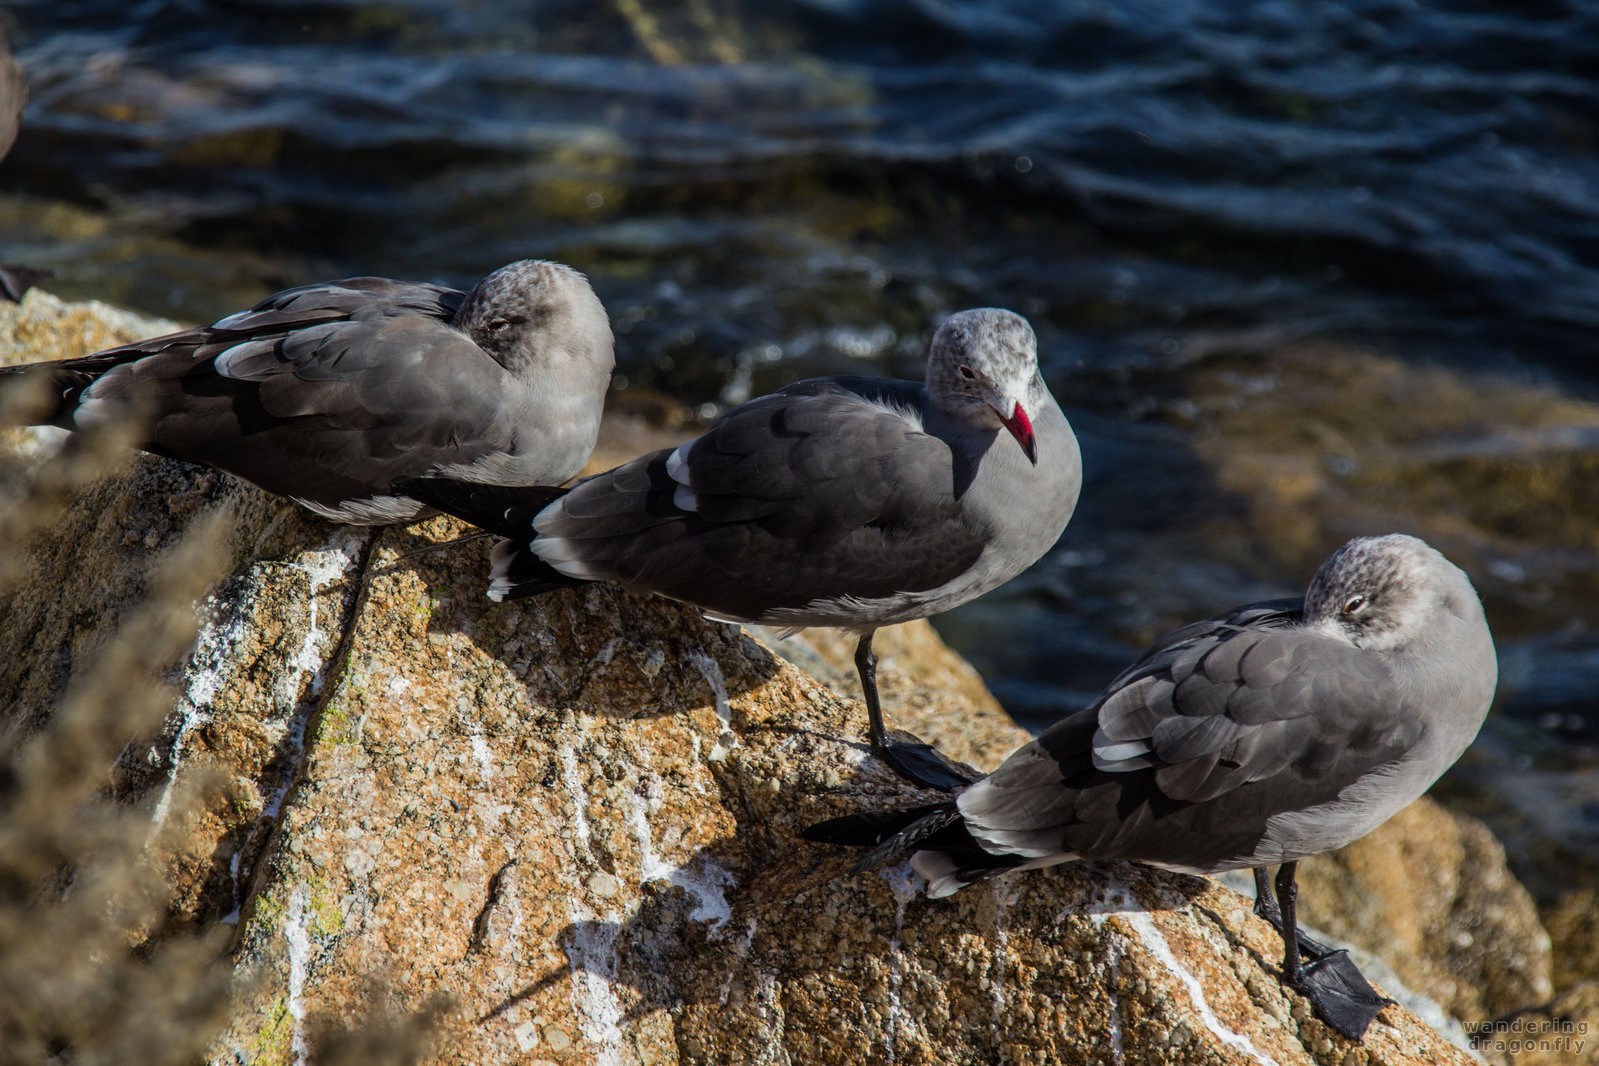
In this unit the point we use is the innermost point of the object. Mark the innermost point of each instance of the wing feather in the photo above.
(808, 494)
(1221, 726)
(293, 376)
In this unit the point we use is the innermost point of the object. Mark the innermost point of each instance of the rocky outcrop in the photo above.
(1566, 1028)
(576, 819)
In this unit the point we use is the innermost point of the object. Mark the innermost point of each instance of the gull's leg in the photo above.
(917, 762)
(866, 669)
(1288, 910)
(1338, 992)
(1266, 907)
(1265, 902)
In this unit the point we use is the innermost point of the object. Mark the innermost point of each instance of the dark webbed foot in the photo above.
(1338, 992)
(917, 762)
(922, 764)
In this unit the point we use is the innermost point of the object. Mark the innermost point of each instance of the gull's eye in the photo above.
(966, 372)
(1356, 604)
(498, 325)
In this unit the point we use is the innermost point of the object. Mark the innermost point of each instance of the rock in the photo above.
(1573, 924)
(577, 817)
(925, 687)
(45, 327)
(1308, 435)
(267, 636)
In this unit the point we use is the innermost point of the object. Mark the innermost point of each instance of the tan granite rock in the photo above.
(1563, 1032)
(43, 326)
(577, 818)
(1308, 439)
(1573, 924)
(540, 811)
(925, 687)
(267, 634)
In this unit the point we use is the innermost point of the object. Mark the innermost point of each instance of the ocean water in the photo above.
(1299, 271)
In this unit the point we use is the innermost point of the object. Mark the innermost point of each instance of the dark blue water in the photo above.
(762, 191)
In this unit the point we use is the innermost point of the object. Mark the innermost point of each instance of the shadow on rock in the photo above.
(598, 646)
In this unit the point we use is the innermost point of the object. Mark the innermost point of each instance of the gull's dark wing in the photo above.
(829, 488)
(1189, 754)
(190, 352)
(324, 392)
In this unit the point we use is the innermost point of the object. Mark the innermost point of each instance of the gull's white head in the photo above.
(983, 370)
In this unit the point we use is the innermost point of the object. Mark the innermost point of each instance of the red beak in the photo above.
(1022, 430)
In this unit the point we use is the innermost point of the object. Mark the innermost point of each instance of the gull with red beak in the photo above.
(845, 501)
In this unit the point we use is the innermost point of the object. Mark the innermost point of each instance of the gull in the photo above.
(328, 393)
(1255, 738)
(843, 501)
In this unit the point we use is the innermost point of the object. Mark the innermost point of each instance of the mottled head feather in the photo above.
(1381, 592)
(534, 312)
(983, 363)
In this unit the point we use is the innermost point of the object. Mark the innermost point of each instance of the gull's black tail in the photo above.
(892, 835)
(934, 838)
(63, 383)
(507, 511)
(504, 510)
(518, 573)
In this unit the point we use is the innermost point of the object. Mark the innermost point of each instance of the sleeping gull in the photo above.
(327, 393)
(1255, 738)
(849, 502)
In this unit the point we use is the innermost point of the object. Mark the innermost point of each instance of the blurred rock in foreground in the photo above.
(578, 818)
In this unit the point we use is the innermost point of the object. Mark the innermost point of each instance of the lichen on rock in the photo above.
(577, 818)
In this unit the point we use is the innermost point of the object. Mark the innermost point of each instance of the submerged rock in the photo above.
(1314, 441)
(577, 818)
